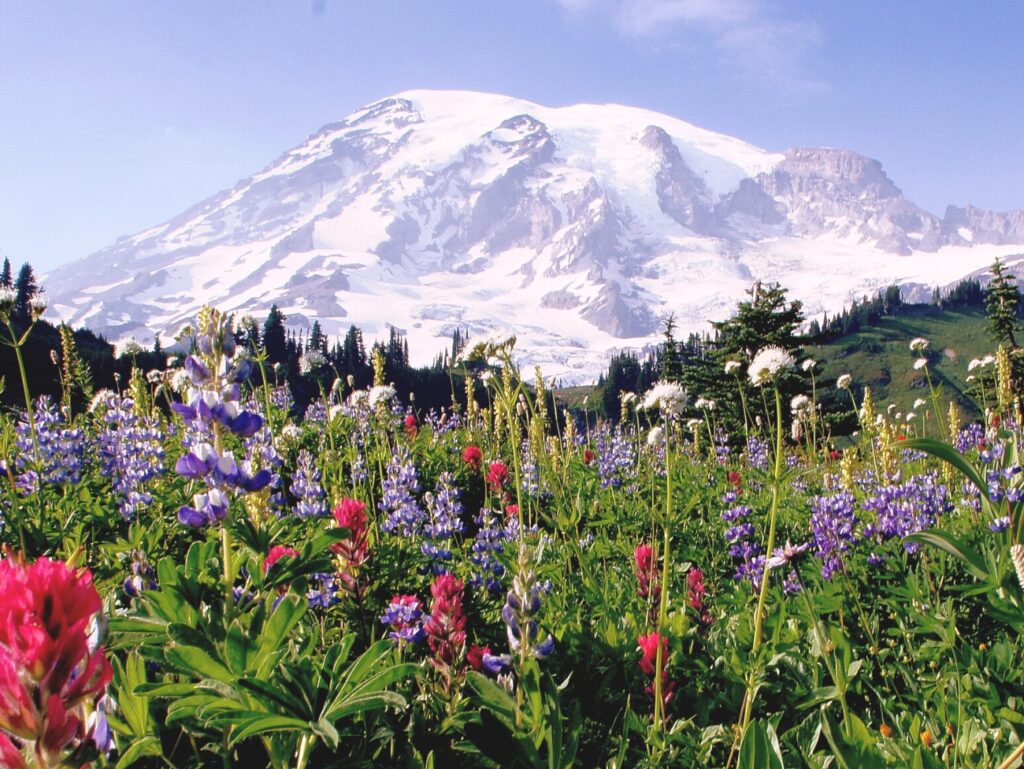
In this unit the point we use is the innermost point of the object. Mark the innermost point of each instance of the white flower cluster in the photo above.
(769, 364)
(381, 394)
(656, 437)
(988, 360)
(801, 406)
(311, 360)
(918, 344)
(667, 396)
(844, 381)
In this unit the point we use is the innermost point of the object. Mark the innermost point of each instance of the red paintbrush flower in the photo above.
(277, 552)
(49, 671)
(473, 457)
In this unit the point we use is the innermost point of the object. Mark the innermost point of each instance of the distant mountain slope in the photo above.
(579, 227)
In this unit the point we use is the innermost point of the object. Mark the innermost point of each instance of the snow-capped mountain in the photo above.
(580, 228)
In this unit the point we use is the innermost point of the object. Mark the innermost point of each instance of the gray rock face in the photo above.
(581, 227)
(976, 225)
(827, 190)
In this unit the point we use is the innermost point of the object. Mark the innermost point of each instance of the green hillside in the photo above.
(880, 357)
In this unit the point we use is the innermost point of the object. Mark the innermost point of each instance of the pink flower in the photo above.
(49, 675)
(649, 662)
(354, 551)
(649, 651)
(475, 657)
(411, 426)
(589, 456)
(446, 628)
(277, 552)
(695, 595)
(473, 457)
(647, 577)
(351, 514)
(10, 756)
(497, 475)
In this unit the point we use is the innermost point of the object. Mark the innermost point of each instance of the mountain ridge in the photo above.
(580, 227)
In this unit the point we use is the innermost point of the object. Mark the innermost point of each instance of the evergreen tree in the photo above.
(6, 281)
(317, 340)
(765, 319)
(25, 288)
(274, 337)
(353, 352)
(1002, 303)
(671, 366)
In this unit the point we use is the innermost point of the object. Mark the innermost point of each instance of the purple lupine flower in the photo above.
(324, 591)
(616, 459)
(834, 530)
(444, 523)
(907, 507)
(970, 438)
(792, 584)
(522, 605)
(131, 450)
(529, 474)
(206, 509)
(757, 453)
(1001, 484)
(487, 545)
(999, 525)
(142, 577)
(210, 400)
(442, 423)
(404, 615)
(316, 413)
(496, 664)
(740, 535)
(404, 513)
(61, 457)
(721, 446)
(306, 488)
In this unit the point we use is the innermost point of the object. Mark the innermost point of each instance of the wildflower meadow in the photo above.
(195, 575)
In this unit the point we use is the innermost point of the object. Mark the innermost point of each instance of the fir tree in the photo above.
(24, 288)
(274, 337)
(671, 366)
(766, 318)
(1002, 303)
(5, 275)
(317, 340)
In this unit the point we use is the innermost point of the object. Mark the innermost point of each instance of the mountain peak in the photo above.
(580, 226)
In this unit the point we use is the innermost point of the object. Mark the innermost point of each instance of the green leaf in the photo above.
(760, 747)
(972, 561)
(239, 649)
(195, 661)
(491, 695)
(147, 746)
(164, 689)
(250, 724)
(285, 617)
(277, 694)
(119, 626)
(948, 454)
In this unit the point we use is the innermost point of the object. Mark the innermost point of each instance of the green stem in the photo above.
(30, 415)
(659, 662)
(763, 595)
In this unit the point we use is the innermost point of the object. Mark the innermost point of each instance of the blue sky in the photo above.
(117, 115)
